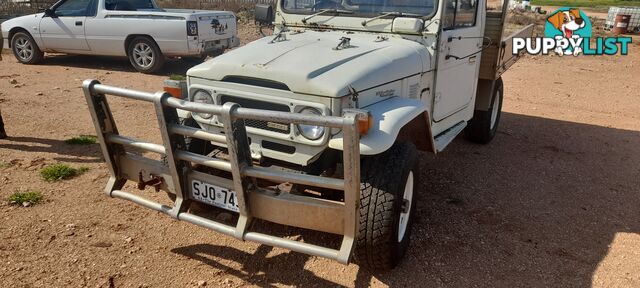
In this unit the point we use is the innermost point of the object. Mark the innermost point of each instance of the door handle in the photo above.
(472, 59)
(78, 23)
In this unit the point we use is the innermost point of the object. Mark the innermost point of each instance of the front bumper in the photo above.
(254, 201)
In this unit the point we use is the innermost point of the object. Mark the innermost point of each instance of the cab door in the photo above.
(459, 58)
(64, 31)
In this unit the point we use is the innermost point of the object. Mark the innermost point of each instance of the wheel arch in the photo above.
(15, 30)
(420, 125)
(396, 119)
(130, 37)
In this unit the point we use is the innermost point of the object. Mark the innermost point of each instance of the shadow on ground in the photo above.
(537, 207)
(171, 66)
(66, 152)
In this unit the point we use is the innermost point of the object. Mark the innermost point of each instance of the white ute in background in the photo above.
(138, 29)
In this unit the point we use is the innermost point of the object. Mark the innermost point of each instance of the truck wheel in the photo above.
(145, 55)
(25, 49)
(387, 199)
(484, 124)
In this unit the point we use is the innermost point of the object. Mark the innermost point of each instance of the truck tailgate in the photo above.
(216, 26)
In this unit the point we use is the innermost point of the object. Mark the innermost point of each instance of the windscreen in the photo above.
(360, 8)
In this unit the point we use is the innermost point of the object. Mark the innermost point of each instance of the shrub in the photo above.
(26, 198)
(59, 172)
(82, 140)
(177, 77)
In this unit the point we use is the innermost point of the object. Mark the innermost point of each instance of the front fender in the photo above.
(389, 117)
(29, 23)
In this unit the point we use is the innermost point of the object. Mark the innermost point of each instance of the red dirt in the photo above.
(553, 201)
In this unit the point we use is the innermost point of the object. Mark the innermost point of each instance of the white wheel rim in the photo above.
(24, 48)
(143, 55)
(407, 200)
(495, 109)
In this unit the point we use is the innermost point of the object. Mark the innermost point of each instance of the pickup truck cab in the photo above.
(138, 29)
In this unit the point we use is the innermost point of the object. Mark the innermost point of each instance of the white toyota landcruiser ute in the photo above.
(138, 29)
(319, 125)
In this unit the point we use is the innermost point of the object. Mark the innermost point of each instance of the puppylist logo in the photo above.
(568, 31)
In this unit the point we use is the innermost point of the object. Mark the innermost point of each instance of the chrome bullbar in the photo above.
(280, 207)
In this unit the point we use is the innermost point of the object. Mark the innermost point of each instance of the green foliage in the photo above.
(59, 172)
(4, 164)
(177, 77)
(25, 198)
(82, 140)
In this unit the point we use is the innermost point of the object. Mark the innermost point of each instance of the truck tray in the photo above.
(497, 58)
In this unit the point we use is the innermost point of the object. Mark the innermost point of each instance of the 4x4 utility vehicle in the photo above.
(319, 125)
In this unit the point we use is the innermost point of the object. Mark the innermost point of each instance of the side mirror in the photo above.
(264, 15)
(50, 13)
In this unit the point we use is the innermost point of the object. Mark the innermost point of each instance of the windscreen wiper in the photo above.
(392, 13)
(322, 11)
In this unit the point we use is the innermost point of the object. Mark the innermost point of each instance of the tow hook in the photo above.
(154, 182)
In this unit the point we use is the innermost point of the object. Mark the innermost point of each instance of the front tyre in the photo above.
(25, 49)
(484, 124)
(145, 55)
(387, 205)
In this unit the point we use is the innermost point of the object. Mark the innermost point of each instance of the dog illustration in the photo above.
(567, 22)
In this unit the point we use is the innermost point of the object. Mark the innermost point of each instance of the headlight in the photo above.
(203, 97)
(311, 132)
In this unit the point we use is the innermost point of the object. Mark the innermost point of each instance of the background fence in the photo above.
(13, 8)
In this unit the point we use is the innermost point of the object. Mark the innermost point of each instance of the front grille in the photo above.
(256, 82)
(284, 128)
(278, 147)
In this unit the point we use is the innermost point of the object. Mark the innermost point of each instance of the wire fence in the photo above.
(13, 8)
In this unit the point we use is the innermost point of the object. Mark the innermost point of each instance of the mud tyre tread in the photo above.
(382, 185)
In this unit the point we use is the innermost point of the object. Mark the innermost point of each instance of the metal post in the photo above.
(351, 163)
(240, 158)
(179, 170)
(105, 125)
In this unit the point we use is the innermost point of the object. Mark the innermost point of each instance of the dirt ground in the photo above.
(552, 201)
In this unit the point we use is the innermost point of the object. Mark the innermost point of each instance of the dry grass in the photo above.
(517, 20)
(10, 8)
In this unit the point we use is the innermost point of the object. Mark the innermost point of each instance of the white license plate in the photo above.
(214, 195)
